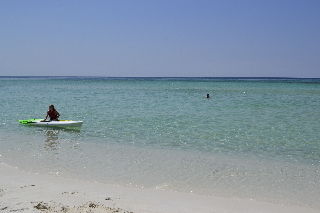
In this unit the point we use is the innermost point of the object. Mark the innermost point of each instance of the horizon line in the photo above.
(100, 76)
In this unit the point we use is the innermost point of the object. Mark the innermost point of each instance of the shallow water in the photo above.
(253, 138)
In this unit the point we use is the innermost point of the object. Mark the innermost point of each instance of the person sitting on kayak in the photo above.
(52, 113)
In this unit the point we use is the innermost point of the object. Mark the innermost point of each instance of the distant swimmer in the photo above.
(208, 96)
(52, 113)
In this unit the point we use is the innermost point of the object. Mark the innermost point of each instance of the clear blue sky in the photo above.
(160, 38)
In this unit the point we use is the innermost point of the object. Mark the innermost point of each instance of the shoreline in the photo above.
(31, 192)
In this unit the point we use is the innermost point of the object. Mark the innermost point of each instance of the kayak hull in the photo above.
(61, 123)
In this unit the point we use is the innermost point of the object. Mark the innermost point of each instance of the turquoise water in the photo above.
(255, 138)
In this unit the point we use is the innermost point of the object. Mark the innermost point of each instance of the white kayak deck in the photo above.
(60, 123)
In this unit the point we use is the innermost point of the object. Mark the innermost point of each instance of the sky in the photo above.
(155, 38)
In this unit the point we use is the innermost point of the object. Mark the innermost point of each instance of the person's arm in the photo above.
(46, 117)
(58, 114)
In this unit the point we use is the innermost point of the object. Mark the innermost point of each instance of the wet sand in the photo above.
(22, 191)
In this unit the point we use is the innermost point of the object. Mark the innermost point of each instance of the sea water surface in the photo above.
(254, 138)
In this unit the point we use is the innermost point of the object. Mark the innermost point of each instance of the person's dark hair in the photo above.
(52, 106)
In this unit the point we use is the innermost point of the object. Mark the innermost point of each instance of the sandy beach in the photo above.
(22, 191)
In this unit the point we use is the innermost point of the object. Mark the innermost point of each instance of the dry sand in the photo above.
(22, 191)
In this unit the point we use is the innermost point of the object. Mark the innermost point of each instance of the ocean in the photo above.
(256, 138)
